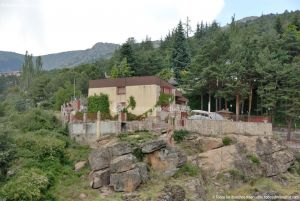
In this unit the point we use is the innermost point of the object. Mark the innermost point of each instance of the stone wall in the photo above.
(211, 127)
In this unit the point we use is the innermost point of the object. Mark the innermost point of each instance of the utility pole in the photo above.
(74, 88)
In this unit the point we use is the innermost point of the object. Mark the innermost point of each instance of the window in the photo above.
(166, 90)
(121, 90)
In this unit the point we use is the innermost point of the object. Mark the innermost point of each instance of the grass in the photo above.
(254, 159)
(137, 138)
(226, 141)
(187, 170)
(267, 184)
(179, 136)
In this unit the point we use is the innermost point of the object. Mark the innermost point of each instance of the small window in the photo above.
(166, 90)
(121, 90)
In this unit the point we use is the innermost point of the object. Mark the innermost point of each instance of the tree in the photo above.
(278, 25)
(27, 71)
(64, 94)
(127, 51)
(123, 70)
(166, 74)
(38, 65)
(180, 57)
(289, 94)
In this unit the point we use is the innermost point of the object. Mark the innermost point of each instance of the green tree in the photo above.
(38, 65)
(64, 94)
(166, 74)
(27, 71)
(180, 57)
(123, 70)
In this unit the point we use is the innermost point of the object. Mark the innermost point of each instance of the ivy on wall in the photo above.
(99, 103)
(165, 99)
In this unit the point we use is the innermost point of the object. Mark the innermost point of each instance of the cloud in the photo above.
(58, 25)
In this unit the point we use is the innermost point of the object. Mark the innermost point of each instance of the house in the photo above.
(146, 91)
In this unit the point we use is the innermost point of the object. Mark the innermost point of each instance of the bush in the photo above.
(179, 136)
(226, 141)
(132, 117)
(28, 185)
(41, 147)
(254, 159)
(7, 153)
(1, 110)
(188, 170)
(137, 152)
(34, 120)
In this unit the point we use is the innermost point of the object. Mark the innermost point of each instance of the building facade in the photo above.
(146, 91)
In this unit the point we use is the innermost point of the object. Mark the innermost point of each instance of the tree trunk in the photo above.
(250, 101)
(226, 104)
(242, 109)
(237, 106)
(289, 130)
(216, 104)
(201, 101)
(209, 99)
(220, 103)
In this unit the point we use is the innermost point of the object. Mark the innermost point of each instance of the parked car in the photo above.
(204, 115)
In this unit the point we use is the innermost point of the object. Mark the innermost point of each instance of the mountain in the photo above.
(10, 61)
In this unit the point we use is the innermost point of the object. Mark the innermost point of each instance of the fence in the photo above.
(252, 118)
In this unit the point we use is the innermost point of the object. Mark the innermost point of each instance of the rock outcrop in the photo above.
(172, 193)
(252, 155)
(153, 145)
(202, 143)
(167, 160)
(122, 163)
(115, 165)
(126, 181)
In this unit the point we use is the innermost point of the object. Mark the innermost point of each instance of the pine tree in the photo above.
(180, 57)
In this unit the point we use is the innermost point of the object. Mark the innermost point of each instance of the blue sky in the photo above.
(242, 8)
(49, 26)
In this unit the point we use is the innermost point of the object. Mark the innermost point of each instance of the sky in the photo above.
(50, 26)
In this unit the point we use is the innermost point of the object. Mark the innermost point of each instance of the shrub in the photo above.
(254, 159)
(165, 99)
(28, 185)
(7, 153)
(132, 117)
(41, 147)
(35, 119)
(178, 136)
(137, 152)
(1, 110)
(188, 170)
(226, 141)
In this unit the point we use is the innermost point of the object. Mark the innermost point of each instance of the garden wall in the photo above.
(211, 127)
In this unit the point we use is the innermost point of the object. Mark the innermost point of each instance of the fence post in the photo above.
(98, 133)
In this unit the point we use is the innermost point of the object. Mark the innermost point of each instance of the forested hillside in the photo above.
(247, 67)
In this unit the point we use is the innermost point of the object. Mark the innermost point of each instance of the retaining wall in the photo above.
(211, 127)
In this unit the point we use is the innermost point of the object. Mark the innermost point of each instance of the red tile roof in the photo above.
(129, 81)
